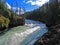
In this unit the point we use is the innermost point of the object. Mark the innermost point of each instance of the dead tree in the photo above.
(19, 10)
(16, 7)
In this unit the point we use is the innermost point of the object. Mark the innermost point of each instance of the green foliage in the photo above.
(8, 18)
(2, 5)
(4, 22)
(48, 13)
(7, 21)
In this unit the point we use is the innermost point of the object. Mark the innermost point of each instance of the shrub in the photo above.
(4, 22)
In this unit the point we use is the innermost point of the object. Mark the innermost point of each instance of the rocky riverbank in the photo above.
(52, 37)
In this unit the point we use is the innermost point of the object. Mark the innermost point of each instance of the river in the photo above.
(24, 35)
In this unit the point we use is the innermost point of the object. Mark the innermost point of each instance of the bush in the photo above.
(8, 18)
(4, 22)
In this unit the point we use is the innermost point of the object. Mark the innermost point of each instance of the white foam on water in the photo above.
(18, 37)
(31, 25)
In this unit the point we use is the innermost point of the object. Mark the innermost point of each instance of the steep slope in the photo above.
(15, 20)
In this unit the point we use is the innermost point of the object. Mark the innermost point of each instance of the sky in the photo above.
(28, 5)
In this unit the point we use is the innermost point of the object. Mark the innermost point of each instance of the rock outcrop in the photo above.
(52, 37)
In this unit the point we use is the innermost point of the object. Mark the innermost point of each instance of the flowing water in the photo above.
(24, 35)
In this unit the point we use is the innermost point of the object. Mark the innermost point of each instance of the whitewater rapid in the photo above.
(24, 36)
(17, 38)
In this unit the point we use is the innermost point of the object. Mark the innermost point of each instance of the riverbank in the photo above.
(52, 37)
(23, 35)
(9, 19)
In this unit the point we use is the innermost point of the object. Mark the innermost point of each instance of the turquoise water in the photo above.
(36, 34)
(24, 35)
(33, 36)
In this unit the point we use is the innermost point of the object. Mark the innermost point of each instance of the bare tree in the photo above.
(0, 0)
(24, 9)
(16, 7)
(11, 6)
(19, 10)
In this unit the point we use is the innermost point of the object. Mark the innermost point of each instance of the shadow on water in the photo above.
(4, 31)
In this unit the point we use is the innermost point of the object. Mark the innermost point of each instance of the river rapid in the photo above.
(24, 35)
